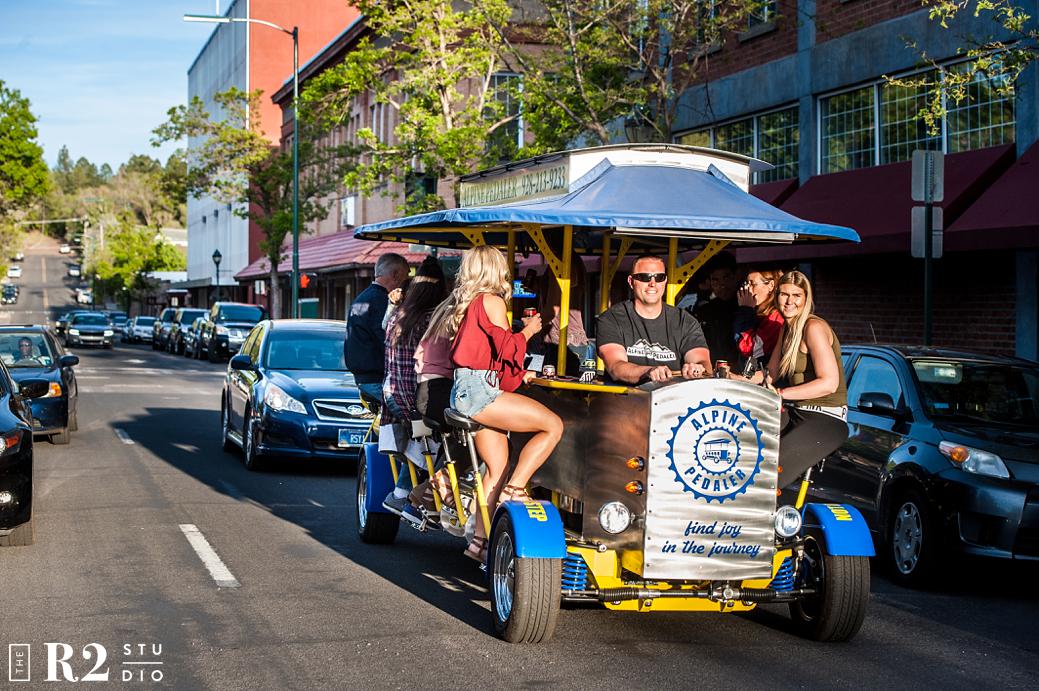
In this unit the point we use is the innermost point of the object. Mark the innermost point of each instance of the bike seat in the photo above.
(459, 421)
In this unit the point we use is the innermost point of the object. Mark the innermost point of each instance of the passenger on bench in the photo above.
(488, 358)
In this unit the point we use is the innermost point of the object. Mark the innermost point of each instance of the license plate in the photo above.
(348, 438)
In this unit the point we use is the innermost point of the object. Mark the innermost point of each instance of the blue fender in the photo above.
(845, 532)
(380, 477)
(537, 529)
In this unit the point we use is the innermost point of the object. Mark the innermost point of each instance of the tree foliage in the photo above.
(236, 164)
(432, 65)
(998, 58)
(607, 61)
(23, 172)
(130, 253)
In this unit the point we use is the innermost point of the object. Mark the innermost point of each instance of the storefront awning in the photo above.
(1005, 215)
(876, 202)
(338, 251)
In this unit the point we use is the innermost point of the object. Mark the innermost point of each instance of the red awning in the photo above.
(337, 251)
(876, 203)
(1005, 215)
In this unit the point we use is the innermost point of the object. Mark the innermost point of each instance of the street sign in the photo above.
(917, 247)
(928, 175)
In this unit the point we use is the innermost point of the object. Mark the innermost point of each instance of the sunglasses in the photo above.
(646, 278)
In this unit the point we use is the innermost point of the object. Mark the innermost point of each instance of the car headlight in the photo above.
(614, 517)
(788, 521)
(221, 331)
(276, 399)
(974, 460)
(74, 332)
(54, 391)
(109, 332)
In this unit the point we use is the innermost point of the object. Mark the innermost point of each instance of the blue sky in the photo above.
(100, 74)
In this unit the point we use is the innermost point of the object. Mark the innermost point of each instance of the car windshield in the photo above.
(307, 350)
(89, 320)
(189, 316)
(26, 349)
(239, 313)
(981, 391)
(145, 321)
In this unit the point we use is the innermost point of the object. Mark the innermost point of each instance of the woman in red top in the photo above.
(758, 322)
(488, 359)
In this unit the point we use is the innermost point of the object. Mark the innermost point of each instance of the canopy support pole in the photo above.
(564, 297)
(510, 256)
(678, 276)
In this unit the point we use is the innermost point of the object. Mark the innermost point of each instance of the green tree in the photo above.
(236, 164)
(998, 58)
(131, 252)
(23, 173)
(607, 61)
(430, 68)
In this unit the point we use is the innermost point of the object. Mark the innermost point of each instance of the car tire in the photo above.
(74, 422)
(61, 438)
(212, 354)
(253, 461)
(837, 610)
(525, 592)
(911, 542)
(372, 528)
(22, 536)
(225, 428)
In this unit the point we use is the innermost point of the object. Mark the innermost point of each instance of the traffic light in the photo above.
(306, 278)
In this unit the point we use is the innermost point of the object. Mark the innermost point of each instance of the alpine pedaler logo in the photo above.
(707, 456)
(133, 662)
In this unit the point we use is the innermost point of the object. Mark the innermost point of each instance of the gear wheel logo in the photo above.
(715, 451)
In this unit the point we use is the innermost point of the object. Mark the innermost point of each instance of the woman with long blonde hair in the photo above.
(807, 370)
(488, 358)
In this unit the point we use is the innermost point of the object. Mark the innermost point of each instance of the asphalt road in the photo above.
(316, 609)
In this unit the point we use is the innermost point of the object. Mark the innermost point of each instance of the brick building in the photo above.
(805, 90)
(249, 56)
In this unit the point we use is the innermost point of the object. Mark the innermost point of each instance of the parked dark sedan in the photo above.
(178, 330)
(31, 352)
(16, 465)
(226, 327)
(192, 346)
(288, 393)
(942, 455)
(90, 328)
(162, 327)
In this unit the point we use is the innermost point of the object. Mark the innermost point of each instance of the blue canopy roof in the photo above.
(630, 199)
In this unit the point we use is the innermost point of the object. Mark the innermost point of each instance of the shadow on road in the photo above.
(429, 566)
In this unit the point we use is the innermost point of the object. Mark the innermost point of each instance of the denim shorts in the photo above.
(473, 390)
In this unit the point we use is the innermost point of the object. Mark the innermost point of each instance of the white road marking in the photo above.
(210, 559)
(123, 436)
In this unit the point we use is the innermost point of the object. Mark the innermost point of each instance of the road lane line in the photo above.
(123, 436)
(217, 569)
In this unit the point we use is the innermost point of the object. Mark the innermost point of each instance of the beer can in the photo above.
(529, 312)
(721, 369)
(548, 371)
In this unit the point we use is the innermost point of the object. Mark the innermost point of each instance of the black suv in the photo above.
(162, 327)
(226, 326)
(181, 323)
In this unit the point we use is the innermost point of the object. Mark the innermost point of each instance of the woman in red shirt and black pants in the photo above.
(488, 359)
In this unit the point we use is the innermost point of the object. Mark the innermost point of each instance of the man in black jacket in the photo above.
(365, 338)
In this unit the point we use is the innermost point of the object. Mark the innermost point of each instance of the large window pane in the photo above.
(700, 138)
(984, 118)
(737, 137)
(778, 137)
(902, 130)
(847, 131)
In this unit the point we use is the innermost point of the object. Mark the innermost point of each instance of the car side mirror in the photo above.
(878, 403)
(241, 362)
(33, 388)
(68, 361)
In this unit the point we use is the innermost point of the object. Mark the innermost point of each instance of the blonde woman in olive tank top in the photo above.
(808, 373)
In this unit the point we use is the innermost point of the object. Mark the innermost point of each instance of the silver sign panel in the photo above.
(711, 495)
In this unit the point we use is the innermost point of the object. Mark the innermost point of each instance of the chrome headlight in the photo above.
(614, 517)
(276, 399)
(221, 330)
(74, 332)
(788, 521)
(109, 332)
(974, 460)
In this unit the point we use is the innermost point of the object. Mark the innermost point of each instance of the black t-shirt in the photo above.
(661, 341)
(716, 318)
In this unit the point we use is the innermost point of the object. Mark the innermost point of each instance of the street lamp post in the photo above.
(216, 262)
(217, 19)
